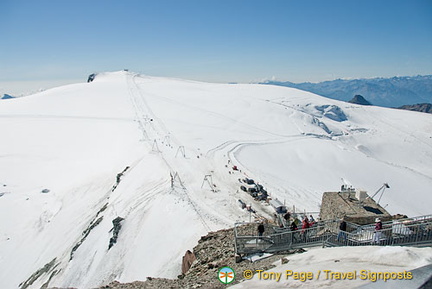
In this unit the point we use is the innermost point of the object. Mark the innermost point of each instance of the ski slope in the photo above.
(61, 151)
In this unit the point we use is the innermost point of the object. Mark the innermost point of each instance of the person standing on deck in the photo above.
(261, 229)
(342, 230)
(305, 226)
(377, 234)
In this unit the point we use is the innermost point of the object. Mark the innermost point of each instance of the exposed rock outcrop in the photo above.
(215, 250)
(93, 223)
(421, 107)
(116, 229)
(332, 112)
(187, 261)
(48, 268)
(358, 99)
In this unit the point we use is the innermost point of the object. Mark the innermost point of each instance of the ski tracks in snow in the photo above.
(153, 128)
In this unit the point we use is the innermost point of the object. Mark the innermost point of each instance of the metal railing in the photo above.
(413, 232)
(403, 232)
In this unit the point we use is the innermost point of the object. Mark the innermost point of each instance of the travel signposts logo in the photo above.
(226, 275)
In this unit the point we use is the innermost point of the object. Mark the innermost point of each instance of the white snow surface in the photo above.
(362, 262)
(74, 140)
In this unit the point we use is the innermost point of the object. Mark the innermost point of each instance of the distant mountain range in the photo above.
(420, 107)
(387, 92)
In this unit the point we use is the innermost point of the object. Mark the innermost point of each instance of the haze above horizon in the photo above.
(215, 41)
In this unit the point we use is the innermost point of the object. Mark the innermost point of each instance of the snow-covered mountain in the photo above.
(158, 153)
(387, 92)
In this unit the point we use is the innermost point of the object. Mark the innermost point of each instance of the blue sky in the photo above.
(215, 40)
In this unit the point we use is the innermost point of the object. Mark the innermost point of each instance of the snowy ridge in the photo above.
(74, 140)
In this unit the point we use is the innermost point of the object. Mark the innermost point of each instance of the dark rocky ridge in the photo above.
(215, 250)
(421, 107)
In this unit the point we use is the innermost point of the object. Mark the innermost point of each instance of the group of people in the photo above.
(305, 224)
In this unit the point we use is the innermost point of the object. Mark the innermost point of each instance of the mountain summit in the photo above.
(358, 99)
(7, 96)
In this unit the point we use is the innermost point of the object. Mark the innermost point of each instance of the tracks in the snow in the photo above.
(154, 130)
